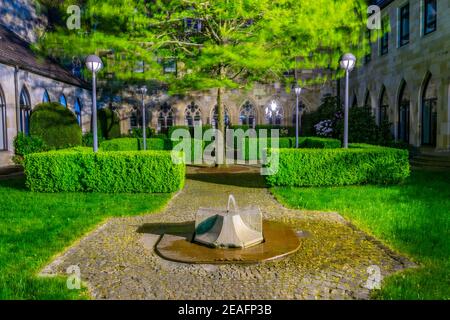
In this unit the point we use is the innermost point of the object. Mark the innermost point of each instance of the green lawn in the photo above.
(413, 218)
(34, 227)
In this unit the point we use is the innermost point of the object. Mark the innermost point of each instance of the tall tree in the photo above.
(218, 44)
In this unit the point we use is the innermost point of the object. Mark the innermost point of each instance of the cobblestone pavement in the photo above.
(117, 260)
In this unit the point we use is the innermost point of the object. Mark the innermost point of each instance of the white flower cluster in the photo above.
(324, 128)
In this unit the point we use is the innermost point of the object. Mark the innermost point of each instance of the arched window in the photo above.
(403, 114)
(215, 117)
(3, 137)
(45, 97)
(384, 106)
(429, 113)
(274, 113)
(134, 119)
(78, 109)
(193, 115)
(166, 116)
(247, 115)
(25, 111)
(63, 101)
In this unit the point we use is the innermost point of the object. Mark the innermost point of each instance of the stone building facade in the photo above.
(263, 104)
(407, 76)
(27, 80)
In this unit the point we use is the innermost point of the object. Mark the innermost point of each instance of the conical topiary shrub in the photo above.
(56, 125)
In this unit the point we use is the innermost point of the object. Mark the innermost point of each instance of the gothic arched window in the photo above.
(3, 140)
(274, 113)
(166, 116)
(25, 111)
(193, 115)
(215, 117)
(63, 100)
(384, 106)
(247, 115)
(45, 97)
(78, 109)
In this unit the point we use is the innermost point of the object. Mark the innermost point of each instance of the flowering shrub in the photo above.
(324, 128)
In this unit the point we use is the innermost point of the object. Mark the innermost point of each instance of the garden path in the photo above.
(335, 261)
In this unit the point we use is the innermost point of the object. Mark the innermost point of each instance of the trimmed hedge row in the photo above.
(360, 164)
(135, 144)
(286, 143)
(110, 172)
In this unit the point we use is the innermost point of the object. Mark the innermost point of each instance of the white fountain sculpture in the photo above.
(229, 229)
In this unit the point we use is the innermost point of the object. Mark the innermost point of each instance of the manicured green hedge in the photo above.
(135, 144)
(56, 125)
(360, 164)
(317, 143)
(110, 172)
(285, 143)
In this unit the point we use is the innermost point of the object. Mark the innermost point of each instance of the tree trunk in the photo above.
(220, 123)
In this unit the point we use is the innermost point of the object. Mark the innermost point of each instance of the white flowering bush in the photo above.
(324, 128)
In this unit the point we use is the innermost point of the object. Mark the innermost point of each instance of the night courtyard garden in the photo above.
(395, 217)
(328, 207)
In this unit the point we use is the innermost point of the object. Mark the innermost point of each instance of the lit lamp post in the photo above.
(94, 64)
(298, 91)
(143, 91)
(348, 62)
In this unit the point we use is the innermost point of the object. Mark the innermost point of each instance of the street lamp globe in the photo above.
(94, 63)
(297, 90)
(143, 90)
(348, 62)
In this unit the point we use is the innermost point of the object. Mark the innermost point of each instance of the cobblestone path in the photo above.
(335, 261)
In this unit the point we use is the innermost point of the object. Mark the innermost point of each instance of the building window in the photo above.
(403, 114)
(404, 25)
(166, 117)
(45, 97)
(247, 115)
(133, 119)
(274, 114)
(215, 118)
(3, 134)
(384, 40)
(169, 66)
(430, 16)
(25, 111)
(78, 109)
(193, 115)
(63, 101)
(384, 107)
(429, 113)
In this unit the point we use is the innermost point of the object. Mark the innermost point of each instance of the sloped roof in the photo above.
(15, 51)
(381, 3)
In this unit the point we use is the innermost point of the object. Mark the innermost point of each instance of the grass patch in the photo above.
(35, 226)
(413, 218)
